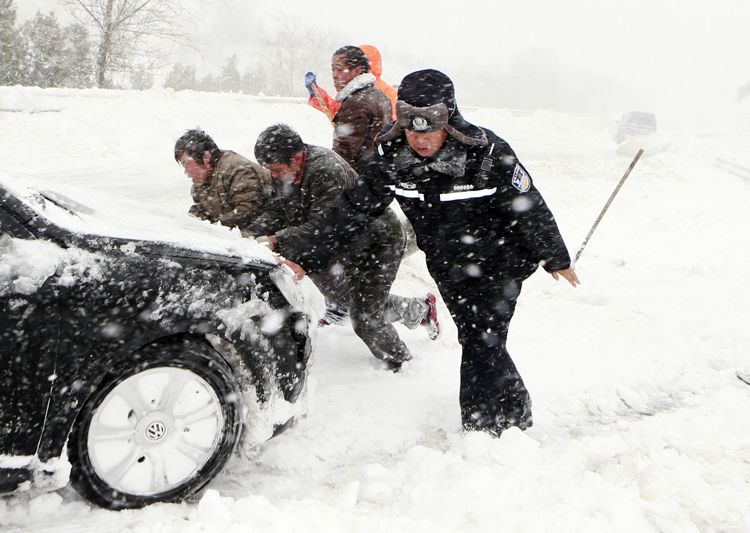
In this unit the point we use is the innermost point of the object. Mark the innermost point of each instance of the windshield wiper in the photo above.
(71, 206)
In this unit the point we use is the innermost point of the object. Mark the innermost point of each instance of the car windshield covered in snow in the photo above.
(131, 353)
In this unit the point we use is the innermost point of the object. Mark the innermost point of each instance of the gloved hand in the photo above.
(309, 80)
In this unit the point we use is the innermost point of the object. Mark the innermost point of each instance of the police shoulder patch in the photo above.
(521, 180)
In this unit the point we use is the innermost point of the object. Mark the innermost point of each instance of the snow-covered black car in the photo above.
(635, 123)
(137, 349)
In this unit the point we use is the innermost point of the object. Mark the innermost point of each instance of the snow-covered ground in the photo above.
(640, 422)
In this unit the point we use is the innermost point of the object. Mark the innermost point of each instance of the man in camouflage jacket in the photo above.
(227, 187)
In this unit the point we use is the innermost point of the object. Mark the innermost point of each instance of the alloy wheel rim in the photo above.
(155, 430)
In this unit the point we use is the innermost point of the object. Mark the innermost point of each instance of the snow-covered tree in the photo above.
(253, 81)
(12, 50)
(229, 78)
(181, 77)
(44, 45)
(76, 57)
(208, 83)
(293, 49)
(142, 78)
(126, 30)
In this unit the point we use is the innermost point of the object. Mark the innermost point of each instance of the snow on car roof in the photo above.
(91, 212)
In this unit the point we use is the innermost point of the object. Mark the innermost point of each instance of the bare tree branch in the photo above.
(125, 29)
(292, 50)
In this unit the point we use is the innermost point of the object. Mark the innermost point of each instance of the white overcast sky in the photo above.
(671, 54)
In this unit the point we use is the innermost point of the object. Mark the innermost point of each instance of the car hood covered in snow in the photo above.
(89, 212)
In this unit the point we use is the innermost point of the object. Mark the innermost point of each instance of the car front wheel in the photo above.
(159, 430)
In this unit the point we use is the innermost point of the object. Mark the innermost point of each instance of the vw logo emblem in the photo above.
(419, 124)
(155, 431)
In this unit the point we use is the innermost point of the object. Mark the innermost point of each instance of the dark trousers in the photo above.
(362, 280)
(493, 396)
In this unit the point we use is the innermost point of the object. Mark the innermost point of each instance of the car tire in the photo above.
(158, 430)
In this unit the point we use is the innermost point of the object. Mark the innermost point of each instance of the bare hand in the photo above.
(569, 274)
(299, 272)
(269, 241)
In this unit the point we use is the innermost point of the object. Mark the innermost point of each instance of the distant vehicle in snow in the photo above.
(634, 123)
(134, 359)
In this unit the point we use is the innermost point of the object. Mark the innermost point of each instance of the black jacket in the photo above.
(474, 210)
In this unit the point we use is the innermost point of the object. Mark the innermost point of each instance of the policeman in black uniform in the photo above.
(482, 224)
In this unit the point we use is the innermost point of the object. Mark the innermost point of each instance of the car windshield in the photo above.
(90, 212)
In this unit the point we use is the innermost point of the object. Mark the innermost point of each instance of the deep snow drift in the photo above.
(640, 422)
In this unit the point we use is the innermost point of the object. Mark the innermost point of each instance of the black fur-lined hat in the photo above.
(427, 102)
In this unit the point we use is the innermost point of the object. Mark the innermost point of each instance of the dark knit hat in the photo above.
(425, 97)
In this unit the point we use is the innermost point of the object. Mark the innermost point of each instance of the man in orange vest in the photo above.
(322, 101)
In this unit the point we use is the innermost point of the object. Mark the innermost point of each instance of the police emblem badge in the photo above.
(419, 124)
(521, 180)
